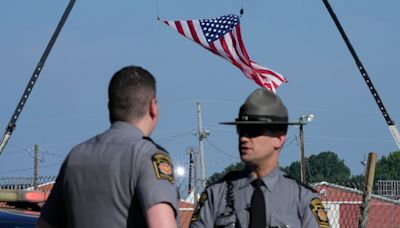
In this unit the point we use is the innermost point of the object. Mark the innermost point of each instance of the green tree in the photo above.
(388, 168)
(326, 166)
(293, 170)
(217, 176)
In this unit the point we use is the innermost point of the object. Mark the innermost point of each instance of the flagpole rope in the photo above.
(157, 9)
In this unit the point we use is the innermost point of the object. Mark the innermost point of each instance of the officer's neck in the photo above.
(146, 125)
(260, 171)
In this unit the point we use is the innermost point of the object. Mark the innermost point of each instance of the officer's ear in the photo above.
(153, 109)
(279, 140)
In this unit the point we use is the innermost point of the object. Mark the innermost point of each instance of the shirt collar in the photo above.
(269, 181)
(125, 126)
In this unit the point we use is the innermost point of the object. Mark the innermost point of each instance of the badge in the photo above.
(200, 203)
(318, 210)
(163, 167)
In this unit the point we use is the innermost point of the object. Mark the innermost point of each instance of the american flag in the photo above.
(222, 37)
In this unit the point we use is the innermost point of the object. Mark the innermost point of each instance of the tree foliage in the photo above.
(388, 168)
(293, 170)
(327, 166)
(217, 176)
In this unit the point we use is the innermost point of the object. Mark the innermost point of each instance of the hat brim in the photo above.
(260, 123)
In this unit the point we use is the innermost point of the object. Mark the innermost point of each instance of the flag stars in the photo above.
(216, 28)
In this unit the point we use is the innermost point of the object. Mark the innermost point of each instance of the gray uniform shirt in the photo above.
(288, 203)
(111, 180)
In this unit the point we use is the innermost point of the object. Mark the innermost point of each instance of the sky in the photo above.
(295, 38)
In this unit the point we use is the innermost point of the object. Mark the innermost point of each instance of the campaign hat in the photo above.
(262, 107)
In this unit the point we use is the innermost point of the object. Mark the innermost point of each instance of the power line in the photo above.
(29, 169)
(220, 150)
(170, 138)
(222, 162)
(289, 143)
(47, 152)
(348, 138)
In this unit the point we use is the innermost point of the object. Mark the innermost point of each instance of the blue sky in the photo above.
(296, 38)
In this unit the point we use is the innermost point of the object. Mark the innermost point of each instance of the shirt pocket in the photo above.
(284, 222)
(226, 221)
(243, 218)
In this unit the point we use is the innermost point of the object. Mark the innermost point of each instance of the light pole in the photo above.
(202, 134)
(303, 120)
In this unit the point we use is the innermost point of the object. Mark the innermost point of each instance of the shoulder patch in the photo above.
(200, 203)
(163, 167)
(319, 211)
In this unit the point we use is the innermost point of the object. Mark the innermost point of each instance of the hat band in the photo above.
(269, 119)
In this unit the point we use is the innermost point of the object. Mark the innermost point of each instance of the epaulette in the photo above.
(300, 183)
(158, 146)
(229, 177)
(235, 175)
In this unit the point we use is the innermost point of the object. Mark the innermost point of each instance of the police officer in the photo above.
(261, 195)
(119, 178)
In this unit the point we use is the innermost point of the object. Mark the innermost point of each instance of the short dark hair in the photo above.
(130, 92)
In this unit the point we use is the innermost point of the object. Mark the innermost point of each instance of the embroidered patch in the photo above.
(318, 210)
(203, 198)
(163, 167)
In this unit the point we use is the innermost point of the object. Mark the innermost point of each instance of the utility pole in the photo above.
(302, 159)
(369, 182)
(190, 172)
(36, 168)
(202, 135)
(193, 163)
(303, 120)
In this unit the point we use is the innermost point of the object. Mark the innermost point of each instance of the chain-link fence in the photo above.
(344, 204)
(26, 183)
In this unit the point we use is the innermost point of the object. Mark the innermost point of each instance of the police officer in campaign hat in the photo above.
(119, 178)
(261, 195)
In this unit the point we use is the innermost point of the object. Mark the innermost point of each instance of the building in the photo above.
(343, 207)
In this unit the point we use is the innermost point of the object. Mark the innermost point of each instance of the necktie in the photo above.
(257, 209)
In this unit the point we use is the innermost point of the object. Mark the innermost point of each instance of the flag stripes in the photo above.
(222, 36)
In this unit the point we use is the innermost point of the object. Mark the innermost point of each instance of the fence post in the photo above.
(36, 168)
(370, 174)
